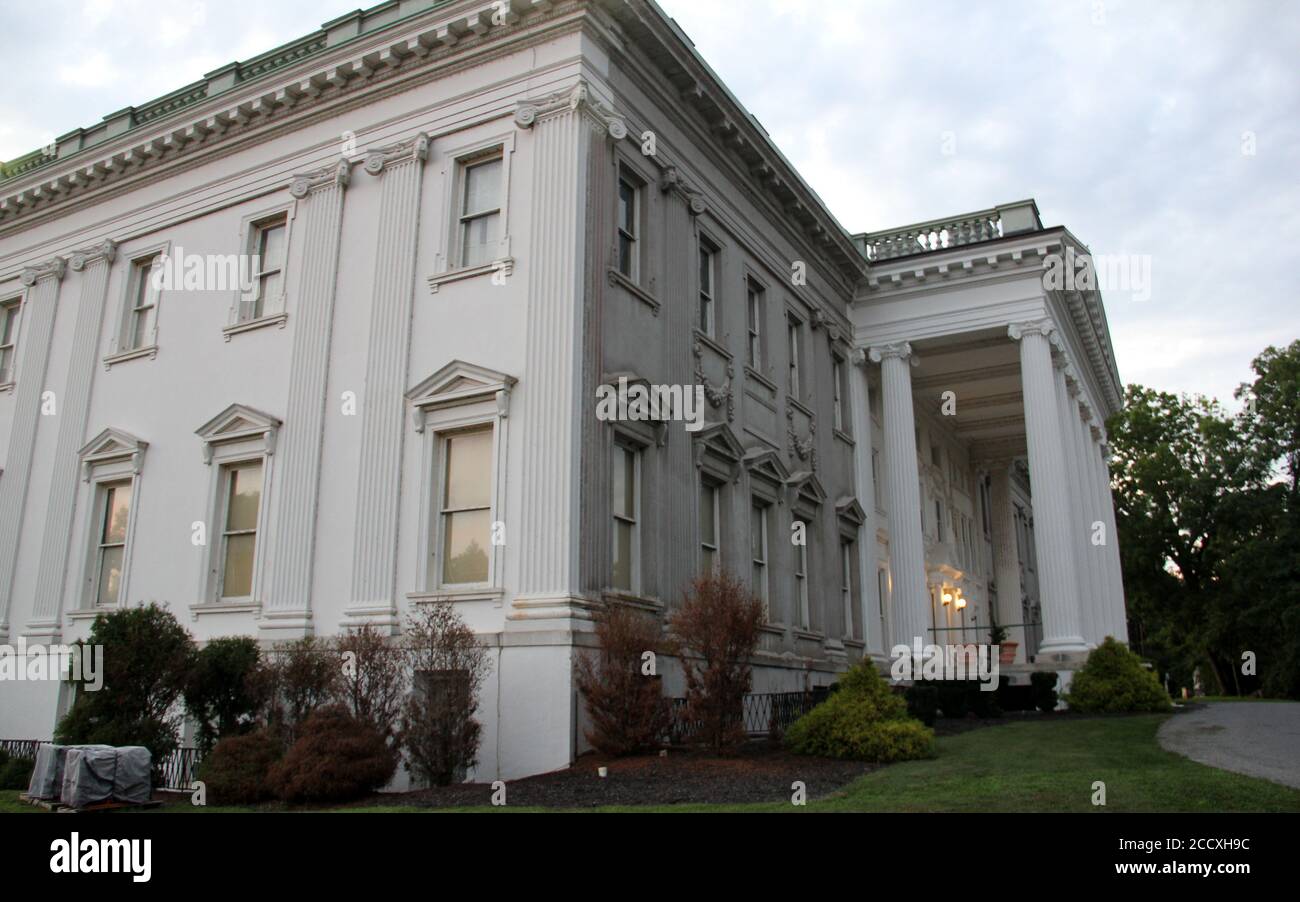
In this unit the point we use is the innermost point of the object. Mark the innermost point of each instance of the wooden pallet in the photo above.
(60, 808)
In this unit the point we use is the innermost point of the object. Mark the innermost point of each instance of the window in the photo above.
(242, 505)
(480, 209)
(801, 579)
(709, 558)
(846, 585)
(882, 590)
(142, 313)
(267, 243)
(8, 337)
(465, 517)
(936, 456)
(758, 551)
(708, 279)
(794, 330)
(875, 477)
(626, 509)
(110, 554)
(938, 519)
(629, 216)
(754, 313)
(837, 374)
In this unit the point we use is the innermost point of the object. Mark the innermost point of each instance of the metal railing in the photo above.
(177, 770)
(761, 713)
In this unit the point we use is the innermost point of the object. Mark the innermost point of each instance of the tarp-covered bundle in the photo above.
(98, 774)
(47, 775)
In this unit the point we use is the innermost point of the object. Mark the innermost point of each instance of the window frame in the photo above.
(10, 306)
(802, 614)
(760, 510)
(627, 175)
(795, 353)
(111, 458)
(707, 298)
(465, 164)
(438, 564)
(704, 549)
(627, 448)
(221, 527)
(755, 313)
(847, 562)
(455, 160)
(122, 348)
(252, 226)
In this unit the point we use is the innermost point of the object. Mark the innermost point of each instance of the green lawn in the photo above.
(1047, 765)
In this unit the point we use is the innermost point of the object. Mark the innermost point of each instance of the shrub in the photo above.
(15, 773)
(146, 660)
(923, 702)
(953, 700)
(717, 630)
(864, 721)
(627, 708)
(1042, 687)
(223, 692)
(1113, 681)
(439, 732)
(237, 770)
(303, 676)
(336, 758)
(1015, 698)
(374, 679)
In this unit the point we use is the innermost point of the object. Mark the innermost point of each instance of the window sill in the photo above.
(151, 351)
(845, 437)
(506, 265)
(801, 632)
(224, 607)
(631, 599)
(262, 322)
(799, 406)
(645, 297)
(6, 387)
(760, 378)
(91, 613)
(486, 593)
(712, 344)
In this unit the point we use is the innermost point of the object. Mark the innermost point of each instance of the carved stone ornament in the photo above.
(106, 250)
(55, 267)
(412, 150)
(578, 98)
(338, 174)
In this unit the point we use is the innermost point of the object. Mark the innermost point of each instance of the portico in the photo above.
(993, 391)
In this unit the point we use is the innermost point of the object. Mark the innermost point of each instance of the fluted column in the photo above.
(565, 131)
(73, 409)
(1112, 569)
(1095, 555)
(287, 604)
(1082, 519)
(859, 398)
(1050, 483)
(379, 476)
(1006, 558)
(910, 611)
(42, 283)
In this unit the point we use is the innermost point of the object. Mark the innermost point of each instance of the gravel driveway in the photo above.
(1260, 739)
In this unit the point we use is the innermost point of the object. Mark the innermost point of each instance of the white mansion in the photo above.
(319, 338)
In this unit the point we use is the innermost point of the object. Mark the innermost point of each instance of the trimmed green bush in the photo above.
(1113, 681)
(1042, 686)
(923, 702)
(15, 773)
(237, 770)
(863, 721)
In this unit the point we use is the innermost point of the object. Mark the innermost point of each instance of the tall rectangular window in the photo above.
(629, 216)
(626, 500)
(875, 477)
(708, 279)
(480, 209)
(758, 552)
(754, 316)
(268, 243)
(8, 338)
(709, 559)
(839, 394)
(110, 555)
(466, 514)
(846, 584)
(882, 596)
(142, 316)
(794, 330)
(801, 580)
(243, 502)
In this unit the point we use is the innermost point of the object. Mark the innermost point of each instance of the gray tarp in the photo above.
(47, 776)
(92, 775)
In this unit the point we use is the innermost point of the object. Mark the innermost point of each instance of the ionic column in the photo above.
(1006, 560)
(1096, 554)
(287, 604)
(910, 610)
(568, 132)
(42, 283)
(379, 477)
(1081, 522)
(1113, 571)
(1050, 484)
(859, 398)
(74, 408)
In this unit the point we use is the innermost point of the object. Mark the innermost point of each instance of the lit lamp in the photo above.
(961, 600)
(947, 596)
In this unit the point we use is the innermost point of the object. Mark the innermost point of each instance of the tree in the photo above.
(374, 679)
(146, 661)
(223, 692)
(717, 630)
(626, 704)
(304, 675)
(439, 732)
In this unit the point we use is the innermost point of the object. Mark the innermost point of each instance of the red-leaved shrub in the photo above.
(236, 771)
(628, 710)
(717, 631)
(336, 758)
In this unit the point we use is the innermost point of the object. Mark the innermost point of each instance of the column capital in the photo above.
(412, 150)
(1072, 386)
(106, 250)
(54, 268)
(337, 174)
(901, 350)
(577, 98)
(1044, 327)
(1098, 435)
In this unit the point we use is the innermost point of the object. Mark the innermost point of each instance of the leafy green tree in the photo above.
(147, 657)
(224, 693)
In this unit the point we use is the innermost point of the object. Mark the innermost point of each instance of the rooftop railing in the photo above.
(952, 232)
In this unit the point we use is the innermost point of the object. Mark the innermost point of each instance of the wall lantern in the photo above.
(947, 596)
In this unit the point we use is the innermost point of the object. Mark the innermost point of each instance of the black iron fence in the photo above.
(763, 714)
(177, 769)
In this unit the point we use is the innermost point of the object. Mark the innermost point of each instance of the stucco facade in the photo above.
(487, 212)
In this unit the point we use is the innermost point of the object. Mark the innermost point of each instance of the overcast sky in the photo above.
(1165, 130)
